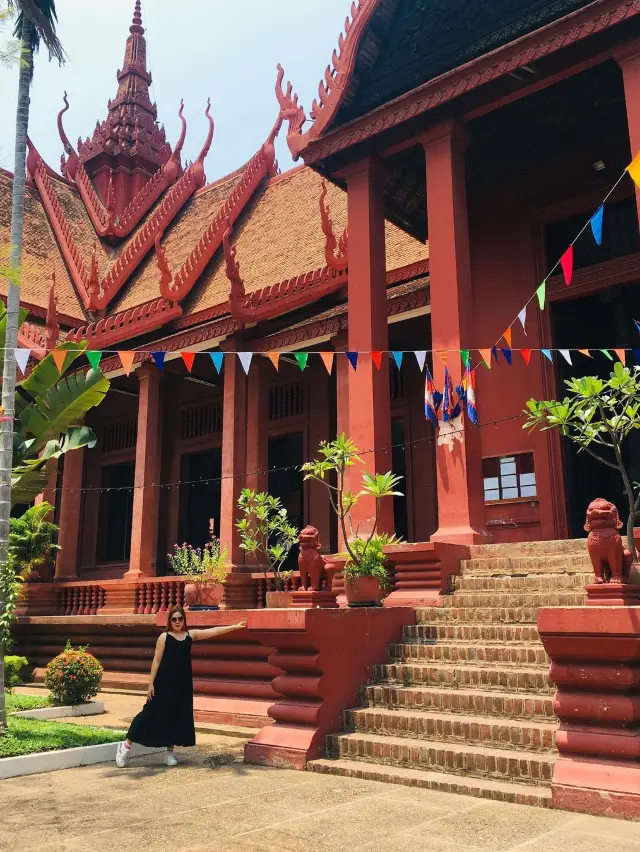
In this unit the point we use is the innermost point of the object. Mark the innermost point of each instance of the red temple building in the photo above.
(454, 152)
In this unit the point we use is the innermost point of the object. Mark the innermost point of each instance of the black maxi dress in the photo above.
(167, 719)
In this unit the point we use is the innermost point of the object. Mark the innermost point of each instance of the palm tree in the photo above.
(10, 50)
(36, 23)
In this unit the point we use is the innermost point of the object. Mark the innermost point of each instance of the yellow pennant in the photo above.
(634, 169)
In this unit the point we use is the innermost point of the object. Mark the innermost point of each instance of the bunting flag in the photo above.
(274, 357)
(547, 354)
(450, 399)
(94, 357)
(245, 360)
(585, 352)
(217, 358)
(636, 355)
(485, 354)
(421, 358)
(637, 325)
(522, 316)
(494, 352)
(353, 359)
(526, 356)
(188, 358)
(430, 408)
(622, 355)
(376, 357)
(158, 358)
(507, 337)
(302, 358)
(507, 355)
(59, 356)
(126, 359)
(327, 360)
(470, 395)
(397, 357)
(443, 355)
(22, 357)
(596, 224)
(541, 293)
(634, 169)
(464, 354)
(566, 262)
(566, 355)
(607, 354)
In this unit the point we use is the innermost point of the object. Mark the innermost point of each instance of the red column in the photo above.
(257, 418)
(628, 58)
(69, 522)
(144, 526)
(369, 396)
(318, 430)
(459, 471)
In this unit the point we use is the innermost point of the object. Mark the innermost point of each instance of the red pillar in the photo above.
(144, 525)
(459, 471)
(628, 58)
(256, 430)
(369, 395)
(69, 521)
(318, 430)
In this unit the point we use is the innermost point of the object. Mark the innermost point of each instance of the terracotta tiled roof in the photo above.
(40, 253)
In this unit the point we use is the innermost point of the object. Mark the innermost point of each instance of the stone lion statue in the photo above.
(610, 559)
(311, 563)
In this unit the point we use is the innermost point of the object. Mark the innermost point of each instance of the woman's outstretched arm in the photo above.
(211, 632)
(155, 665)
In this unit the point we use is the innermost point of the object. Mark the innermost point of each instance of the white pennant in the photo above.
(421, 358)
(522, 316)
(566, 355)
(22, 357)
(245, 360)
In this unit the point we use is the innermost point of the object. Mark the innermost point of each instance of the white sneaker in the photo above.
(122, 755)
(170, 759)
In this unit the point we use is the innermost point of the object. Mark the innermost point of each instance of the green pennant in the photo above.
(302, 358)
(464, 354)
(541, 293)
(93, 357)
(607, 353)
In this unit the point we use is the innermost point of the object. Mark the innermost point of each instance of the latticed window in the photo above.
(199, 420)
(119, 436)
(286, 401)
(509, 478)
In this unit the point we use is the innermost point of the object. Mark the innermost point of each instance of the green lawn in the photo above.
(25, 702)
(28, 736)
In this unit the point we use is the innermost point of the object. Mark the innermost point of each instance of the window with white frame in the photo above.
(509, 478)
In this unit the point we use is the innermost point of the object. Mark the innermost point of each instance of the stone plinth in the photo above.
(308, 599)
(613, 594)
(422, 572)
(595, 654)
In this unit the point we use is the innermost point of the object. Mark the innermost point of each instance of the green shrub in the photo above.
(12, 668)
(73, 677)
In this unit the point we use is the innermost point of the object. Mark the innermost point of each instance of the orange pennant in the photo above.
(585, 352)
(507, 337)
(485, 354)
(327, 360)
(376, 357)
(58, 356)
(274, 357)
(526, 356)
(443, 355)
(126, 359)
(622, 355)
(188, 358)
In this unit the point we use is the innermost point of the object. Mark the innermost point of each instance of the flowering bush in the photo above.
(73, 676)
(206, 564)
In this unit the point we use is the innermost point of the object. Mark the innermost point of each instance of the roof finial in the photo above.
(136, 26)
(52, 328)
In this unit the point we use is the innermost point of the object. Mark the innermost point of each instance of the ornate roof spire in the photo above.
(52, 328)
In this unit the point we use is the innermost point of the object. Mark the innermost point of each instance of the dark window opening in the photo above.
(116, 512)
(286, 482)
(399, 466)
(201, 475)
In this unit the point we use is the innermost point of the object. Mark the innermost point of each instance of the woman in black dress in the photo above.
(167, 718)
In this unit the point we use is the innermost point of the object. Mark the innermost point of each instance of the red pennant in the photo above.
(566, 261)
(507, 337)
(327, 360)
(58, 356)
(126, 358)
(376, 357)
(526, 355)
(188, 358)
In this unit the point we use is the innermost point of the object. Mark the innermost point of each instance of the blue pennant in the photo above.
(636, 355)
(507, 355)
(159, 357)
(397, 357)
(353, 359)
(596, 224)
(494, 352)
(547, 354)
(217, 358)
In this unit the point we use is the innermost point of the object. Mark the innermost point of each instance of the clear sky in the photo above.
(224, 49)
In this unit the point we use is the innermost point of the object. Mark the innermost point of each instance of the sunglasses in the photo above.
(177, 618)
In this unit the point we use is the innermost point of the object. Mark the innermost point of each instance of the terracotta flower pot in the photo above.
(363, 591)
(279, 600)
(203, 595)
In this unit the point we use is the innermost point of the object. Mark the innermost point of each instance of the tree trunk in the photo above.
(13, 309)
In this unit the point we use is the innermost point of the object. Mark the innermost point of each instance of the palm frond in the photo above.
(43, 17)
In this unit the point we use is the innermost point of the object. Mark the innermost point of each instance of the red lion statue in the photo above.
(610, 559)
(311, 563)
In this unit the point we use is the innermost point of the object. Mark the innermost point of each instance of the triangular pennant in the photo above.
(126, 359)
(494, 352)
(526, 356)
(443, 355)
(507, 337)
(421, 358)
(566, 262)
(522, 316)
(464, 355)
(622, 355)
(607, 354)
(376, 357)
(636, 355)
(541, 293)
(327, 360)
(485, 354)
(634, 169)
(397, 357)
(596, 224)
(93, 357)
(22, 356)
(507, 355)
(217, 358)
(188, 358)
(274, 357)
(245, 360)
(58, 356)
(547, 354)
(585, 352)
(159, 357)
(637, 325)
(301, 358)
(353, 359)
(566, 355)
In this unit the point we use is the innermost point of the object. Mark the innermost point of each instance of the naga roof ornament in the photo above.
(335, 250)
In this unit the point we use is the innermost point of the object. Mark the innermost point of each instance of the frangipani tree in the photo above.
(598, 415)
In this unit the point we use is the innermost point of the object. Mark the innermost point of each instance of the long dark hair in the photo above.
(172, 612)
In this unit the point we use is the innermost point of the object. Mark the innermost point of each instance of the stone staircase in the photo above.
(465, 704)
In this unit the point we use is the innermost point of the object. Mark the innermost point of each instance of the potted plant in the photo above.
(266, 534)
(31, 540)
(204, 570)
(365, 571)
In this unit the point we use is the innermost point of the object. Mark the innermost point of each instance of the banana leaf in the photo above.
(3, 330)
(45, 374)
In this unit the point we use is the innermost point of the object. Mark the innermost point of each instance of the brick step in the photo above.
(548, 583)
(531, 548)
(499, 791)
(452, 758)
(517, 600)
(519, 565)
(472, 652)
(464, 701)
(478, 615)
(455, 676)
(502, 633)
(447, 727)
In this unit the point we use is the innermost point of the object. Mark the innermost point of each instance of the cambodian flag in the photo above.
(432, 400)
(450, 399)
(470, 394)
